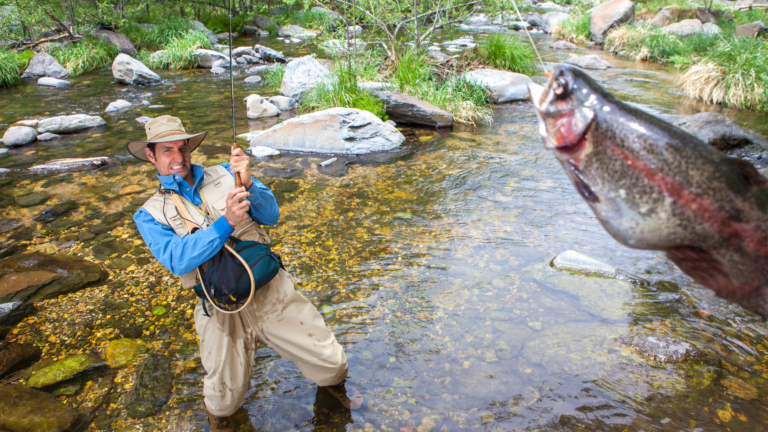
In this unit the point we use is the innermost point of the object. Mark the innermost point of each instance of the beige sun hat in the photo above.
(164, 129)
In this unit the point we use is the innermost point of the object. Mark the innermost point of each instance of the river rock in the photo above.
(740, 388)
(335, 130)
(239, 51)
(264, 22)
(295, 31)
(609, 15)
(48, 137)
(73, 164)
(504, 86)
(409, 110)
(301, 75)
(24, 409)
(37, 276)
(32, 199)
(576, 262)
(564, 45)
(63, 370)
(122, 352)
(462, 42)
(118, 105)
(283, 103)
(719, 131)
(218, 71)
(268, 54)
(206, 58)
(70, 123)
(663, 349)
(253, 80)
(588, 62)
(438, 55)
(152, 388)
(552, 20)
(259, 107)
(44, 65)
(666, 16)
(755, 29)
(12, 353)
(52, 82)
(53, 212)
(249, 30)
(201, 27)
(222, 64)
(18, 136)
(262, 152)
(250, 59)
(120, 41)
(128, 70)
(685, 27)
(13, 312)
(29, 123)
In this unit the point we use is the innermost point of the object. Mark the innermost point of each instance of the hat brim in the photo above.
(136, 148)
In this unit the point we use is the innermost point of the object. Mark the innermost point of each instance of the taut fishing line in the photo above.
(238, 181)
(519, 16)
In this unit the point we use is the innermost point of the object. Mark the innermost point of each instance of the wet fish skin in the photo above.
(653, 186)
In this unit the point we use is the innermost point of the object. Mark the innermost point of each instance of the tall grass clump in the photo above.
(654, 44)
(154, 39)
(507, 52)
(312, 19)
(342, 90)
(11, 67)
(85, 56)
(575, 29)
(413, 68)
(733, 73)
(178, 53)
(273, 77)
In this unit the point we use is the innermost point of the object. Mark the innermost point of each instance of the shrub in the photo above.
(220, 23)
(11, 67)
(273, 77)
(575, 29)
(343, 91)
(177, 53)
(85, 56)
(508, 52)
(167, 29)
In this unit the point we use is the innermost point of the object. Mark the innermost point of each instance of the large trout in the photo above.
(654, 186)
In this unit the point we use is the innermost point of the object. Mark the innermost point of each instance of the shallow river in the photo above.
(430, 263)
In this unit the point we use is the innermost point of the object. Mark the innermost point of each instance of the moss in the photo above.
(63, 370)
(122, 352)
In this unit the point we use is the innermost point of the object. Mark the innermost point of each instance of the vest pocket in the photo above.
(221, 206)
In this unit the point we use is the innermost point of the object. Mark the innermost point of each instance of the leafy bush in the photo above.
(85, 56)
(11, 67)
(575, 29)
(177, 53)
(273, 77)
(508, 52)
(220, 23)
(343, 91)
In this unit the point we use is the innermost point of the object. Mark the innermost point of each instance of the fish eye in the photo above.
(561, 86)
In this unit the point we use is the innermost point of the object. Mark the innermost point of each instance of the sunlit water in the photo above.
(430, 263)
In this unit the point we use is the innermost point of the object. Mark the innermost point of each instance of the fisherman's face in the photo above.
(171, 158)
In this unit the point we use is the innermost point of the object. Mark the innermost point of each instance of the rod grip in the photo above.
(238, 180)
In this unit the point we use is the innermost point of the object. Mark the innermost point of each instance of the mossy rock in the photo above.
(63, 370)
(51, 213)
(32, 199)
(24, 409)
(154, 383)
(122, 352)
(112, 217)
(121, 263)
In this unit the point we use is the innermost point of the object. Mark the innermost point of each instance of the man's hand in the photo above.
(239, 163)
(235, 208)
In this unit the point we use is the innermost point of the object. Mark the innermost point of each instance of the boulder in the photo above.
(552, 20)
(63, 370)
(588, 62)
(13, 312)
(711, 28)
(118, 105)
(295, 31)
(268, 54)
(218, 71)
(206, 58)
(43, 137)
(239, 51)
(18, 136)
(254, 80)
(259, 107)
(31, 123)
(301, 75)
(563, 45)
(409, 110)
(122, 352)
(576, 262)
(262, 152)
(335, 130)
(438, 55)
(120, 41)
(755, 29)
(609, 15)
(201, 27)
(250, 59)
(283, 102)
(12, 353)
(44, 65)
(264, 22)
(53, 82)
(73, 164)
(128, 70)
(224, 64)
(665, 17)
(685, 27)
(70, 123)
(24, 409)
(462, 42)
(718, 131)
(152, 389)
(251, 30)
(37, 276)
(504, 86)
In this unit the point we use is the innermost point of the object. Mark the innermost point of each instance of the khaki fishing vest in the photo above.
(217, 183)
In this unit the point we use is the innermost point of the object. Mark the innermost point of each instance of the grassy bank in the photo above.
(507, 52)
(12, 65)
(343, 91)
(176, 53)
(650, 43)
(575, 29)
(85, 56)
(155, 39)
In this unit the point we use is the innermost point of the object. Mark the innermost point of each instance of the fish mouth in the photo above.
(563, 138)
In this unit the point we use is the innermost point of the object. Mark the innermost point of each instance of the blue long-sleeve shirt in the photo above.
(181, 255)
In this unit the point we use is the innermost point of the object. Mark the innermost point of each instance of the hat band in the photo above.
(167, 134)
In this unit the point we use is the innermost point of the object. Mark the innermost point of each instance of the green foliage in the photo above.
(749, 16)
(466, 100)
(413, 68)
(508, 52)
(316, 20)
(343, 91)
(654, 44)
(220, 23)
(575, 29)
(273, 77)
(85, 56)
(11, 67)
(167, 29)
(177, 53)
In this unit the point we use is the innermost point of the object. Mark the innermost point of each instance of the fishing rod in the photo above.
(238, 181)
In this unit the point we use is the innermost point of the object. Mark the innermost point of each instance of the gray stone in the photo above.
(564, 45)
(574, 261)
(263, 22)
(409, 110)
(262, 152)
(37, 277)
(53, 82)
(335, 130)
(206, 58)
(295, 31)
(24, 409)
(301, 75)
(73, 164)
(503, 86)
(259, 107)
(259, 69)
(327, 162)
(250, 59)
(239, 51)
(12, 313)
(588, 62)
(44, 65)
(71, 123)
(128, 70)
(685, 27)
(719, 131)
(218, 71)
(283, 102)
(711, 28)
(250, 30)
(120, 41)
(200, 26)
(462, 42)
(609, 15)
(268, 54)
(18, 136)
(255, 80)
(240, 61)
(48, 137)
(663, 349)
(552, 20)
(222, 64)
(438, 55)
(118, 105)
(143, 120)
(755, 29)
(664, 17)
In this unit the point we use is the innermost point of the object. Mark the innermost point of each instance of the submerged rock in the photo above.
(740, 388)
(719, 131)
(122, 352)
(53, 82)
(301, 75)
(63, 370)
(609, 15)
(588, 62)
(574, 261)
(254, 80)
(55, 211)
(24, 409)
(409, 110)
(259, 107)
(32, 199)
(119, 40)
(18, 136)
(504, 86)
(152, 390)
(69, 124)
(663, 349)
(12, 353)
(37, 277)
(13, 312)
(128, 70)
(73, 164)
(44, 65)
(118, 105)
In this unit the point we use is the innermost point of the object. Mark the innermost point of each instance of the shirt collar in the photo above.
(177, 183)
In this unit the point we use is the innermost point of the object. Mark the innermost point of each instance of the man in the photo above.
(278, 315)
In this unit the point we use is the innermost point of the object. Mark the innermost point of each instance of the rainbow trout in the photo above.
(656, 187)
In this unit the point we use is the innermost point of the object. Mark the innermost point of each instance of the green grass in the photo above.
(653, 44)
(413, 68)
(467, 101)
(177, 53)
(342, 91)
(85, 56)
(11, 67)
(153, 40)
(507, 52)
(273, 77)
(575, 29)
(220, 23)
(314, 20)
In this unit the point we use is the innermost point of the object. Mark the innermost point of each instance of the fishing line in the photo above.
(231, 80)
(519, 16)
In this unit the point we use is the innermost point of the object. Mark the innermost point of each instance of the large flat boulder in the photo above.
(37, 276)
(69, 124)
(335, 130)
(119, 40)
(24, 409)
(206, 58)
(53, 82)
(128, 70)
(301, 75)
(44, 65)
(609, 15)
(504, 86)
(408, 110)
(18, 136)
(264, 22)
(719, 131)
(552, 20)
